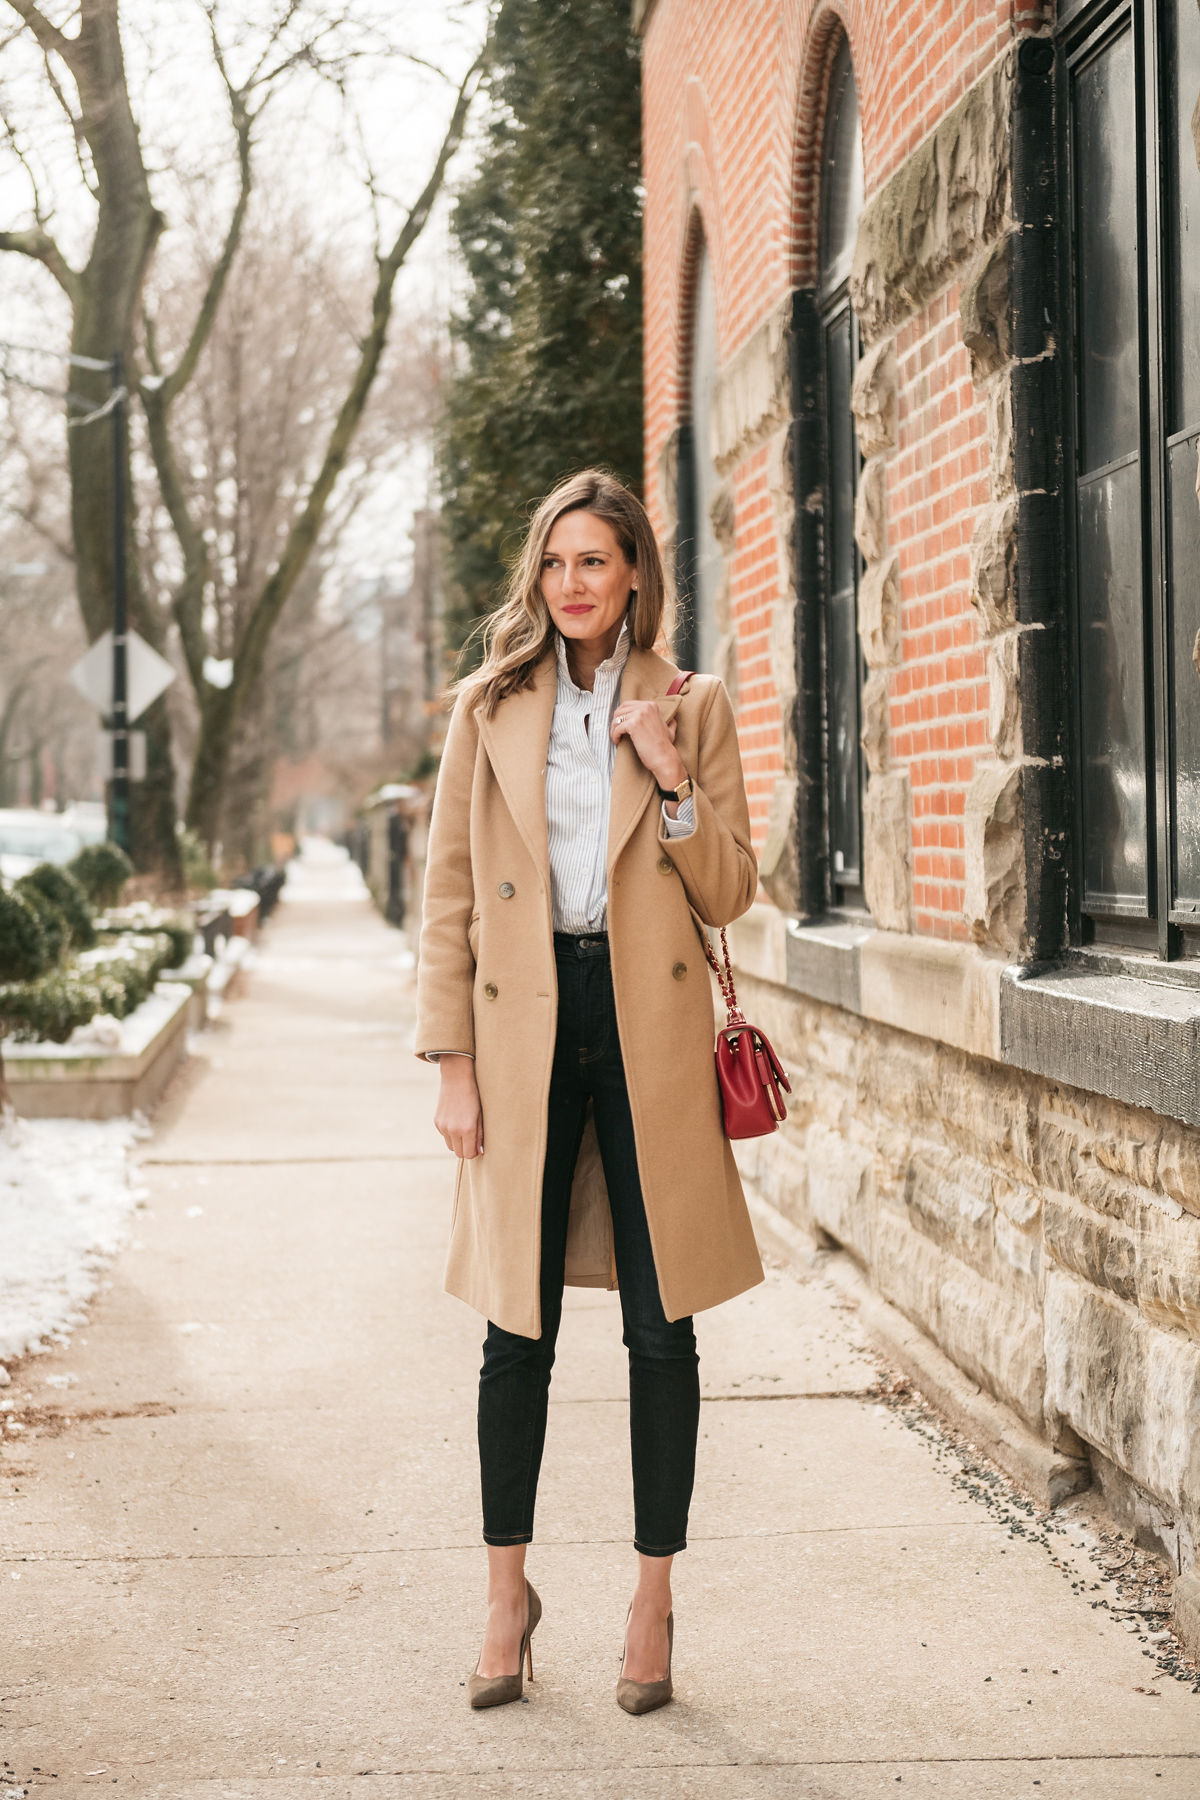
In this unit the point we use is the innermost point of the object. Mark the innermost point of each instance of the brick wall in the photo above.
(733, 99)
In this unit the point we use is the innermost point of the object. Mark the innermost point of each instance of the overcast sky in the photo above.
(312, 142)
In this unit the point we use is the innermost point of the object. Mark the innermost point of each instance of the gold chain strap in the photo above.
(735, 1015)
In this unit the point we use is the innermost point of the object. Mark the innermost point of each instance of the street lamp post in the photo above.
(118, 807)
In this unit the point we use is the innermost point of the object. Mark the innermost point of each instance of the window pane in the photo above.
(1112, 691)
(1185, 607)
(1185, 250)
(1106, 278)
(843, 451)
(842, 658)
(841, 175)
(709, 562)
(842, 653)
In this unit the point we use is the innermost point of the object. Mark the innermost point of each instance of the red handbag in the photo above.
(749, 1074)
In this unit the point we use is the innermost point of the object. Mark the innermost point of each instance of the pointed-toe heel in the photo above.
(647, 1696)
(499, 1690)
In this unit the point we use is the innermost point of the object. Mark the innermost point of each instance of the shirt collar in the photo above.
(611, 664)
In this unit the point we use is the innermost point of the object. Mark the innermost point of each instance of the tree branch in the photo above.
(47, 35)
(187, 602)
(210, 305)
(252, 640)
(37, 243)
(75, 122)
(28, 516)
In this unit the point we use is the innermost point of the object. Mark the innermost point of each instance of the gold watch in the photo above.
(681, 793)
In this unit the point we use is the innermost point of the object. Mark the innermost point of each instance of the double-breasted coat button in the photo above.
(665, 865)
(506, 890)
(490, 990)
(679, 971)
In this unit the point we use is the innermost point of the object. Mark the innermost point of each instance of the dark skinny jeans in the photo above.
(664, 1380)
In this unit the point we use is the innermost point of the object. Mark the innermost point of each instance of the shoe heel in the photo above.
(529, 1654)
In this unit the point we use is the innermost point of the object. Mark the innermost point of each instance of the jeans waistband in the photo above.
(587, 943)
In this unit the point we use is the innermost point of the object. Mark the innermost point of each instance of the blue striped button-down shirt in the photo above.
(579, 768)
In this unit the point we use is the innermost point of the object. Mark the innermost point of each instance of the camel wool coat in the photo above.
(486, 984)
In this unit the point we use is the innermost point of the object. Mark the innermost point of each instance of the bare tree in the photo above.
(47, 732)
(251, 432)
(107, 287)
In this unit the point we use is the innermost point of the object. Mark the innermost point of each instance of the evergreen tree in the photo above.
(549, 338)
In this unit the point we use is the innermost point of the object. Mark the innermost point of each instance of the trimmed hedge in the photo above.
(101, 871)
(24, 953)
(62, 890)
(54, 926)
(143, 918)
(114, 978)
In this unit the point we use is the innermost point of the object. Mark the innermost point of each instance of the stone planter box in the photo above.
(196, 974)
(54, 1081)
(242, 906)
(226, 973)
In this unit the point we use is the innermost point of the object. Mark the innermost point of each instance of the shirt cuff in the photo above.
(436, 1055)
(684, 822)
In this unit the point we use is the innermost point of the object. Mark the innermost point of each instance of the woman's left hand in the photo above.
(652, 738)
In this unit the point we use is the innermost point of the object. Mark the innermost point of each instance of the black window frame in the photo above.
(688, 650)
(1084, 31)
(834, 312)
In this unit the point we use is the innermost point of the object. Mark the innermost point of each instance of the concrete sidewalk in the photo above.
(250, 1562)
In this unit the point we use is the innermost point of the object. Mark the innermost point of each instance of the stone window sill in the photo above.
(941, 990)
(1109, 1023)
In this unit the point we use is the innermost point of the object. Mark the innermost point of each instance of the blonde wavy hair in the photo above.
(517, 634)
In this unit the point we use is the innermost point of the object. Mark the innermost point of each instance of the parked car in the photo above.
(29, 837)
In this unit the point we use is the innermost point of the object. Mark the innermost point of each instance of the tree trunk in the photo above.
(210, 766)
(154, 813)
(107, 295)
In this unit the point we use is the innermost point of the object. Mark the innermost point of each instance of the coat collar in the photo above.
(517, 735)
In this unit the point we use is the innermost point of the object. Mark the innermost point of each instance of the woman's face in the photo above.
(586, 580)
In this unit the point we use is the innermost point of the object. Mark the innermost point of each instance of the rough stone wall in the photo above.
(1048, 1239)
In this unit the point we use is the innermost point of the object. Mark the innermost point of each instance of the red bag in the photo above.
(749, 1073)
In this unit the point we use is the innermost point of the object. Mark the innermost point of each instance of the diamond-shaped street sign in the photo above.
(146, 675)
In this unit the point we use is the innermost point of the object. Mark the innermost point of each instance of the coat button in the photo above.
(679, 971)
(490, 990)
(506, 890)
(665, 865)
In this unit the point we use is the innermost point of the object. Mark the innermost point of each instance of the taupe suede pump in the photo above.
(645, 1696)
(498, 1690)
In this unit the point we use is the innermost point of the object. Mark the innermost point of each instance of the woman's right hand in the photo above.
(458, 1114)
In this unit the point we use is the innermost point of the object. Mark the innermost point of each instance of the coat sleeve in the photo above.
(716, 861)
(445, 965)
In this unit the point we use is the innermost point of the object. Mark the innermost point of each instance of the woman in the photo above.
(583, 814)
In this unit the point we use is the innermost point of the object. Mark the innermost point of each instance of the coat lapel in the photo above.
(646, 677)
(516, 738)
(518, 733)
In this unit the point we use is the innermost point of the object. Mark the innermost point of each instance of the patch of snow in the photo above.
(65, 1202)
(102, 1032)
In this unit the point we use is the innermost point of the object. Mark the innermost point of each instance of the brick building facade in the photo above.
(922, 415)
